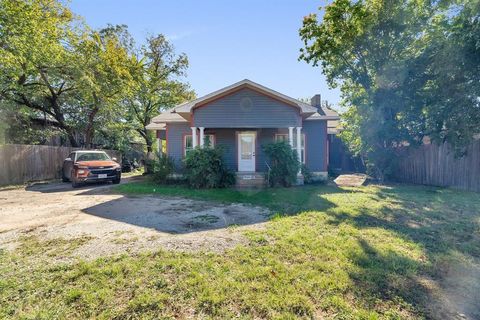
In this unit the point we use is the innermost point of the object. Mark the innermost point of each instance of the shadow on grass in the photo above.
(179, 210)
(444, 224)
(432, 218)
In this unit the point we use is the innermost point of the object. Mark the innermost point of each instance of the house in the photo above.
(242, 117)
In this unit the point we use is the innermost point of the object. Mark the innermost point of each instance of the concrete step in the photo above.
(250, 179)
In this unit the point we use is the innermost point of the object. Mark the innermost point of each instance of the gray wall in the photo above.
(246, 109)
(316, 139)
(228, 139)
(316, 145)
(175, 133)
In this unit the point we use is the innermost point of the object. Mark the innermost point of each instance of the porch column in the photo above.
(194, 137)
(202, 136)
(299, 143)
(290, 136)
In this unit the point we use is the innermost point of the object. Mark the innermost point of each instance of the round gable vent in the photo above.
(246, 104)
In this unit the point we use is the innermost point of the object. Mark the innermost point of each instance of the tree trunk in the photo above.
(149, 145)
(90, 130)
(59, 116)
(150, 156)
(68, 130)
(71, 138)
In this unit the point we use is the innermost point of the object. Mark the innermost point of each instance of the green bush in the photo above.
(307, 175)
(161, 168)
(284, 164)
(205, 168)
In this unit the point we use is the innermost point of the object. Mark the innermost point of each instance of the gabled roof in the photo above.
(187, 107)
(182, 112)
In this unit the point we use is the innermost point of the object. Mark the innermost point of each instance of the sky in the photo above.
(225, 41)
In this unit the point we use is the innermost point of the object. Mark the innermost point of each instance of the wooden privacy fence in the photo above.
(23, 163)
(436, 165)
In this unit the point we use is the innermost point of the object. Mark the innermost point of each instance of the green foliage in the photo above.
(158, 85)
(56, 68)
(205, 168)
(84, 82)
(36, 67)
(161, 168)
(284, 164)
(406, 69)
(307, 174)
(103, 80)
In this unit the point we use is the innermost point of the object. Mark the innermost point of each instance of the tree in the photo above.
(57, 72)
(386, 57)
(158, 85)
(104, 78)
(452, 92)
(55, 67)
(36, 38)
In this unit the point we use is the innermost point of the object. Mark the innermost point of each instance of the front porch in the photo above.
(242, 118)
(243, 146)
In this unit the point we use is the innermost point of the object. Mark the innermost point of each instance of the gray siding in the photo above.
(246, 109)
(226, 139)
(264, 136)
(175, 133)
(315, 133)
(316, 145)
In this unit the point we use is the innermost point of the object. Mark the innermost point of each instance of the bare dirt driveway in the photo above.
(113, 223)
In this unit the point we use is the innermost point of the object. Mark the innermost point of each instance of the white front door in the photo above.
(246, 151)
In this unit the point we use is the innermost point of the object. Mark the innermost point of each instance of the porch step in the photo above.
(250, 179)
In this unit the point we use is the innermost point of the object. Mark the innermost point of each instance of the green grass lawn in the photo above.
(353, 253)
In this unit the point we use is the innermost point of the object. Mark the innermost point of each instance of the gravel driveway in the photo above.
(114, 223)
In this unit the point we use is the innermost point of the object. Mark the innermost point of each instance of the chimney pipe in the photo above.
(316, 101)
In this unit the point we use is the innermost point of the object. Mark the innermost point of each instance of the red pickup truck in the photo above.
(90, 166)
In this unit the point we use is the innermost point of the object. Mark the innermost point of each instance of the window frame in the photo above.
(185, 136)
(212, 139)
(302, 148)
(185, 149)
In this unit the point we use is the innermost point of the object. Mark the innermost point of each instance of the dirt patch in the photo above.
(456, 294)
(117, 224)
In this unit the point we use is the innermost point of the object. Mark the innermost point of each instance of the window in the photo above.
(92, 156)
(209, 141)
(281, 137)
(284, 137)
(187, 144)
